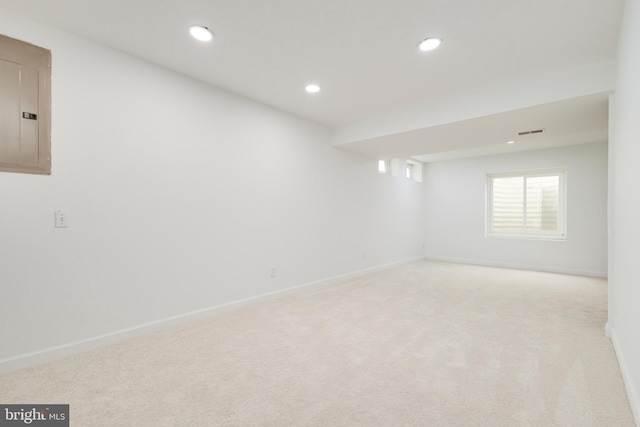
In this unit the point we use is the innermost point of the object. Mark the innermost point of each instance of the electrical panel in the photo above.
(25, 107)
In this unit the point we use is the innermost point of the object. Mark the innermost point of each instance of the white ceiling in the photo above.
(362, 52)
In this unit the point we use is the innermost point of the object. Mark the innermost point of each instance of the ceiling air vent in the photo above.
(531, 132)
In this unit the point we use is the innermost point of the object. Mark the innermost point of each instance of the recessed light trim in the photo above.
(312, 88)
(201, 33)
(429, 43)
(511, 142)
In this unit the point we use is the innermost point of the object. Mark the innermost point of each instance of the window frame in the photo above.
(560, 234)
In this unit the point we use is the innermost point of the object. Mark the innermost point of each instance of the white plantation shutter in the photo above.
(543, 193)
(508, 199)
(526, 204)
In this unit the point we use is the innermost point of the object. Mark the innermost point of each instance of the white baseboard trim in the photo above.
(632, 391)
(546, 269)
(54, 353)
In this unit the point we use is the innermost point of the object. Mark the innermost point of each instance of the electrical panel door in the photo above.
(24, 107)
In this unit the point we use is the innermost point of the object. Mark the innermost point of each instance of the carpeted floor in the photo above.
(425, 344)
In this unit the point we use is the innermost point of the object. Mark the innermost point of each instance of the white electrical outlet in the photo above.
(62, 219)
(273, 272)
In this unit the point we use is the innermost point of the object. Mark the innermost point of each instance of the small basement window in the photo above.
(414, 170)
(383, 167)
(399, 167)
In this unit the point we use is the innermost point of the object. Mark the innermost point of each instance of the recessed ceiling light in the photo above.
(429, 43)
(510, 142)
(200, 33)
(312, 88)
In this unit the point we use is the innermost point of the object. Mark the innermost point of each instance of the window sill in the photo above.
(559, 238)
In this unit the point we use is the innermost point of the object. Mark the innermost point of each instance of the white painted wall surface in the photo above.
(624, 317)
(181, 197)
(456, 211)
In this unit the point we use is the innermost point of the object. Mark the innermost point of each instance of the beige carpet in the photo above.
(425, 344)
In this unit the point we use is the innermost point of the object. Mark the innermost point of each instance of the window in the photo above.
(383, 167)
(398, 167)
(409, 171)
(527, 205)
(414, 170)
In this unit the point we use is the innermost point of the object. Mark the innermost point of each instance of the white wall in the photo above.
(456, 207)
(181, 198)
(624, 285)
